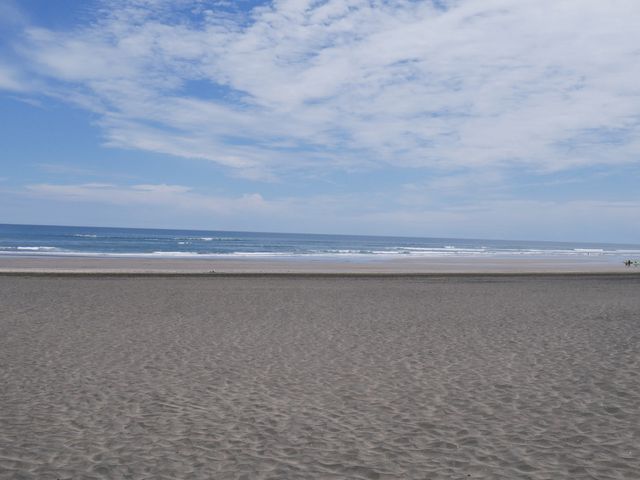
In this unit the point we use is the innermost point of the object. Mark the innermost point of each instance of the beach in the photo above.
(302, 265)
(319, 240)
(320, 376)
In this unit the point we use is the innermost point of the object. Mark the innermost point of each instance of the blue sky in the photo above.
(461, 118)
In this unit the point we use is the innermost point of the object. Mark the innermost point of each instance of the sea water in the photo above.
(30, 240)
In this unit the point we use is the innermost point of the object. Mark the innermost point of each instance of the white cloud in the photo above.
(495, 217)
(174, 197)
(11, 80)
(544, 84)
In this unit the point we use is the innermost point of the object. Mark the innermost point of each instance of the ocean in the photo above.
(41, 240)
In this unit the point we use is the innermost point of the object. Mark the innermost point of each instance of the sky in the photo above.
(447, 118)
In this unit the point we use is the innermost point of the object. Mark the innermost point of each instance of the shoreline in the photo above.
(313, 275)
(270, 266)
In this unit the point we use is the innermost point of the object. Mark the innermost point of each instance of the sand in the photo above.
(71, 264)
(287, 377)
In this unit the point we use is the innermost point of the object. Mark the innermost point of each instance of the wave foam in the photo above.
(391, 252)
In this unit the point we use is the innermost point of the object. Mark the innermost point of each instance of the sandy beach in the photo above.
(320, 377)
(464, 265)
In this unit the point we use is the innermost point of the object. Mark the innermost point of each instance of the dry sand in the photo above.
(309, 377)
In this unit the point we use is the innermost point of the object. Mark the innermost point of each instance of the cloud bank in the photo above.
(383, 213)
(302, 85)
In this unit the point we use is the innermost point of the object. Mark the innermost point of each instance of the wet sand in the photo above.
(583, 264)
(287, 377)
